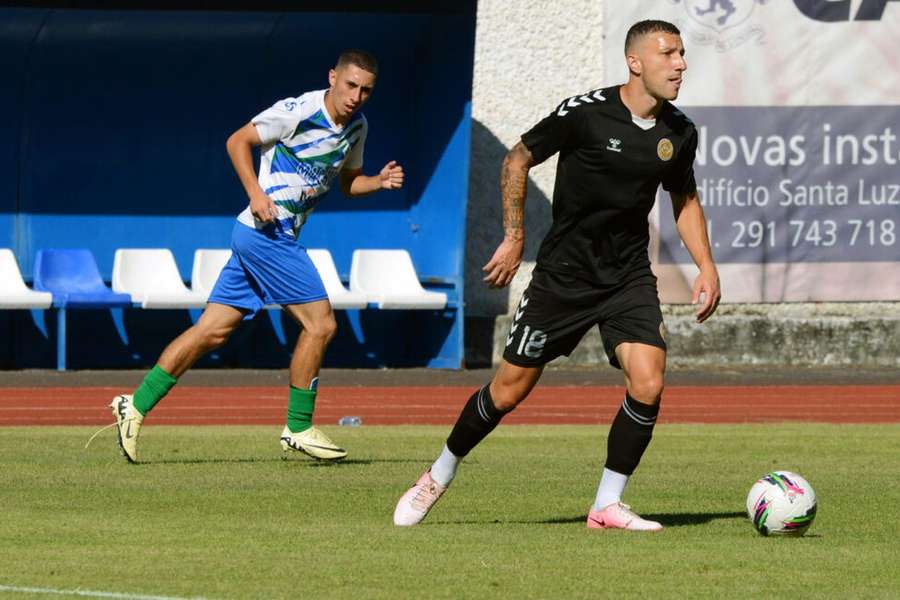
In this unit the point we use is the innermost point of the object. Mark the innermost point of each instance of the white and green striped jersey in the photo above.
(303, 150)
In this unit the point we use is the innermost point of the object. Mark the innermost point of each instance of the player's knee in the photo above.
(647, 389)
(323, 330)
(217, 339)
(213, 337)
(506, 396)
(330, 328)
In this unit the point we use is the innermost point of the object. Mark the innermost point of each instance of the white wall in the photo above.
(529, 55)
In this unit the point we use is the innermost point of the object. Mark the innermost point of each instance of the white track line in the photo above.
(87, 593)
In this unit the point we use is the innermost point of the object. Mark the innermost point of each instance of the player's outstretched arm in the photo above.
(240, 149)
(354, 184)
(691, 225)
(503, 265)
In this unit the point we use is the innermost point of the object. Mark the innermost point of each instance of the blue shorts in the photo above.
(267, 266)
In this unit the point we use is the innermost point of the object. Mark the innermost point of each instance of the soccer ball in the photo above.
(781, 503)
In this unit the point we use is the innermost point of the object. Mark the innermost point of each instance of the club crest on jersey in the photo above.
(614, 145)
(664, 149)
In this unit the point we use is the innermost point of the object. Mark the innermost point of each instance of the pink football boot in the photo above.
(418, 500)
(619, 516)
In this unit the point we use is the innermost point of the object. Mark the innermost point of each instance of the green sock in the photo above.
(155, 386)
(301, 404)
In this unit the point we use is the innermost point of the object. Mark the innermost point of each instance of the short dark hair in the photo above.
(642, 28)
(362, 59)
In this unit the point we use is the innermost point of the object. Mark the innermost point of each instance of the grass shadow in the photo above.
(299, 460)
(682, 519)
(306, 462)
(205, 461)
(554, 521)
(667, 519)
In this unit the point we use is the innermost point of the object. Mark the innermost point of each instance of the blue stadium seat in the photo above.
(73, 278)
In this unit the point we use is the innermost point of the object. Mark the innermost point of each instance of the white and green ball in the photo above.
(781, 503)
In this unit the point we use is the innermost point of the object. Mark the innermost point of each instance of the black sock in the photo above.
(478, 418)
(629, 435)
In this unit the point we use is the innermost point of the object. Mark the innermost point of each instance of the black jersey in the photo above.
(606, 180)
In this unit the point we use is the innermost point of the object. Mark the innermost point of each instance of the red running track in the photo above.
(440, 405)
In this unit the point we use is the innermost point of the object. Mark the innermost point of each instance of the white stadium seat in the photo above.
(208, 263)
(151, 277)
(14, 294)
(388, 279)
(340, 297)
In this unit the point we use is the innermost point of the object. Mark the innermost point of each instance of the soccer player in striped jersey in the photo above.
(307, 143)
(616, 147)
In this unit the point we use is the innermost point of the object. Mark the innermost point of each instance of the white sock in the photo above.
(444, 468)
(612, 485)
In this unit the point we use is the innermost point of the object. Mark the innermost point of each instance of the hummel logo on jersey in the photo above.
(576, 101)
(614, 145)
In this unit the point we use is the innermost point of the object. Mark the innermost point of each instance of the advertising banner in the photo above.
(797, 105)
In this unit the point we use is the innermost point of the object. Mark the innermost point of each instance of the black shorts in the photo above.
(557, 310)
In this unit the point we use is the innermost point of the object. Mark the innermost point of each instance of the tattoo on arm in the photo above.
(513, 186)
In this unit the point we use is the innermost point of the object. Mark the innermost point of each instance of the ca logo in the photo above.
(830, 11)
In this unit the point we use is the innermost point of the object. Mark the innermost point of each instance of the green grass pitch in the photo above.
(215, 512)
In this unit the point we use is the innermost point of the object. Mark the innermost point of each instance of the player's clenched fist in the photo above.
(391, 176)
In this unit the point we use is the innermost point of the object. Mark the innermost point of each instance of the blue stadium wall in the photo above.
(112, 134)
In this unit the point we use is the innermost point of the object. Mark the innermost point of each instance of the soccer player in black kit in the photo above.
(616, 146)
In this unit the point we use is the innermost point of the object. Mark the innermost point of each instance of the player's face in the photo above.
(661, 57)
(351, 87)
